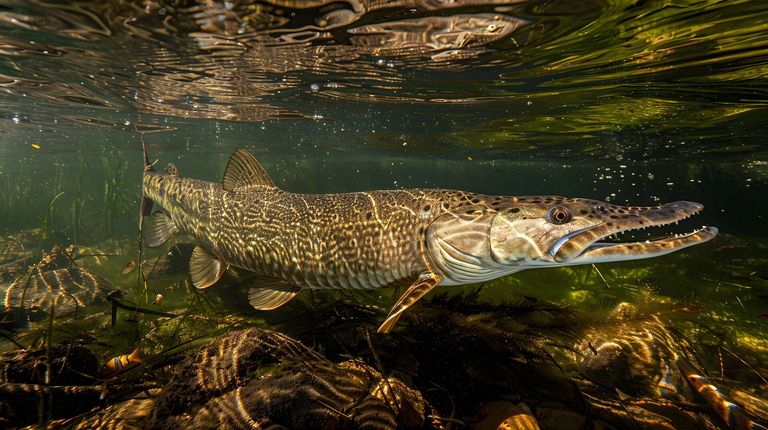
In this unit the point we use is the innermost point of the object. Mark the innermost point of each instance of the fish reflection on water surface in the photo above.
(375, 239)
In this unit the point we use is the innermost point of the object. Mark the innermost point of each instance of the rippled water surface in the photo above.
(631, 102)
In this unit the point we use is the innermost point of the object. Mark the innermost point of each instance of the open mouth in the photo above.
(607, 241)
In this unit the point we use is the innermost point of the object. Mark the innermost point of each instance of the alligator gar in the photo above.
(363, 240)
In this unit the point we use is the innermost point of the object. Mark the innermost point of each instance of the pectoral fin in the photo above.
(160, 228)
(271, 293)
(417, 290)
(204, 268)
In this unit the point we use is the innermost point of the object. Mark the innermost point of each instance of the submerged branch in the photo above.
(138, 309)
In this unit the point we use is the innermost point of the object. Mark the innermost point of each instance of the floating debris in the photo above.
(130, 267)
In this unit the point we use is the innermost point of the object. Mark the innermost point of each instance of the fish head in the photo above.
(516, 233)
(555, 231)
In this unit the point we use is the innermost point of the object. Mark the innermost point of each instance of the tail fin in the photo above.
(135, 357)
(146, 203)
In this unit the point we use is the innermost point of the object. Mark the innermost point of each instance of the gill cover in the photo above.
(510, 241)
(459, 245)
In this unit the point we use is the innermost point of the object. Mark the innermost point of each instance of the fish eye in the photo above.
(558, 215)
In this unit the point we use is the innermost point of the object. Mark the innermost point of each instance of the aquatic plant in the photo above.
(114, 201)
(15, 187)
(48, 222)
(78, 202)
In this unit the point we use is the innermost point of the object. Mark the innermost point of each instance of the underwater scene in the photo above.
(384, 214)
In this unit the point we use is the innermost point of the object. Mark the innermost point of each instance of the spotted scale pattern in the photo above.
(351, 240)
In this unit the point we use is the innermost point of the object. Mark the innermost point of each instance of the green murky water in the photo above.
(632, 102)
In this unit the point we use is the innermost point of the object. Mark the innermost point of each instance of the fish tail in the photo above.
(134, 357)
(146, 202)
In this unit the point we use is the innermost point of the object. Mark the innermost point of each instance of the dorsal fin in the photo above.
(172, 170)
(244, 171)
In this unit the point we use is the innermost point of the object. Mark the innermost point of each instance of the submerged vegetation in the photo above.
(80, 203)
(463, 358)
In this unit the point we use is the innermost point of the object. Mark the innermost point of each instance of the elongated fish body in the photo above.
(363, 240)
(352, 240)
